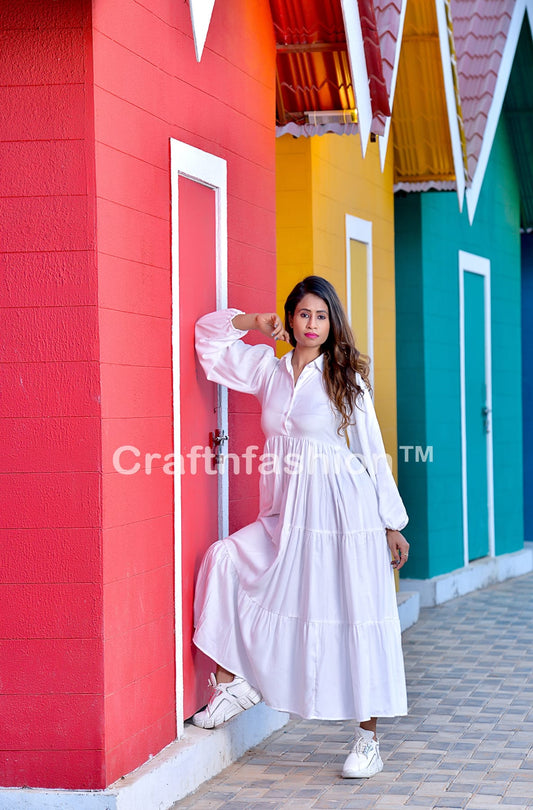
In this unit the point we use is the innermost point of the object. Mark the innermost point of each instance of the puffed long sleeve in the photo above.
(366, 441)
(226, 359)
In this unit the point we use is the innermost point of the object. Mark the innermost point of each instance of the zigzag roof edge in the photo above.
(495, 111)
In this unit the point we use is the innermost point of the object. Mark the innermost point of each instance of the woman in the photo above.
(299, 608)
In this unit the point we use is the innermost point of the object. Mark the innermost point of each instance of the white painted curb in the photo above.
(478, 574)
(408, 608)
(169, 776)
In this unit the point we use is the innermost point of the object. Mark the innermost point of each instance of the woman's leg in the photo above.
(368, 725)
(223, 675)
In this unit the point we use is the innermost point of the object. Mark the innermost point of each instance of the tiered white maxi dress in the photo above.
(302, 602)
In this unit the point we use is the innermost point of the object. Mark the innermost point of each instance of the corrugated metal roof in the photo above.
(316, 81)
(313, 70)
(480, 29)
(313, 64)
(422, 142)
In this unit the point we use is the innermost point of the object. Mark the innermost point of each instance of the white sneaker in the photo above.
(227, 700)
(364, 759)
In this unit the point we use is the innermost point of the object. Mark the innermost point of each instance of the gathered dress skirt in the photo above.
(302, 602)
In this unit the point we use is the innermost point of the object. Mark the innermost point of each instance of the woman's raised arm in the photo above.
(268, 323)
(225, 358)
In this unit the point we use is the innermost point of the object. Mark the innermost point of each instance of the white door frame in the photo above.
(360, 230)
(470, 263)
(209, 170)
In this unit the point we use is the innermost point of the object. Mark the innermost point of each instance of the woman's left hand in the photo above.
(399, 548)
(271, 325)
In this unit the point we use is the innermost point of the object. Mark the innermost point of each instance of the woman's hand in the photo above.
(271, 325)
(399, 548)
(268, 323)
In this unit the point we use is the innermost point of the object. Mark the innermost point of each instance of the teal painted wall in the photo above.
(411, 371)
(430, 231)
(527, 378)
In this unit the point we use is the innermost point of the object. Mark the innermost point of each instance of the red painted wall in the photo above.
(90, 98)
(51, 670)
(149, 88)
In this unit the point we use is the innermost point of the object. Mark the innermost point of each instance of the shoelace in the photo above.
(363, 746)
(212, 682)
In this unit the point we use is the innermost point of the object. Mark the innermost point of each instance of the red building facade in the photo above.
(92, 94)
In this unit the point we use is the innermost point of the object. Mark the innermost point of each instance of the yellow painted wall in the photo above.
(294, 218)
(319, 180)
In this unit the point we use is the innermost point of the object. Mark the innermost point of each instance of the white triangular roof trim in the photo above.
(472, 193)
(356, 55)
(201, 13)
(384, 139)
(451, 102)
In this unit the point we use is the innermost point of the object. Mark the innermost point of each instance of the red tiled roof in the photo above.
(388, 13)
(480, 29)
(379, 96)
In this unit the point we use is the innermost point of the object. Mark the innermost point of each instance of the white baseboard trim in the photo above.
(478, 574)
(169, 776)
(408, 608)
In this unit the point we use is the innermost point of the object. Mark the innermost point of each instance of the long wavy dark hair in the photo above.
(342, 360)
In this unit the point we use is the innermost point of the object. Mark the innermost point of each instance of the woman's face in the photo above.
(310, 322)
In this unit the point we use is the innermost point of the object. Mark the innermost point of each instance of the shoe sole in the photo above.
(251, 700)
(360, 774)
(227, 717)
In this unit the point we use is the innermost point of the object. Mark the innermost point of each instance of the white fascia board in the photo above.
(356, 55)
(451, 103)
(384, 139)
(493, 118)
(201, 13)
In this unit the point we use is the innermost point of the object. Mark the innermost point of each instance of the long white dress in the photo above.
(302, 602)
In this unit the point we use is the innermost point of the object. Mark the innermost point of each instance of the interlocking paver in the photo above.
(467, 742)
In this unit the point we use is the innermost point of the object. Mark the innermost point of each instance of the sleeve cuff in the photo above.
(399, 527)
(231, 315)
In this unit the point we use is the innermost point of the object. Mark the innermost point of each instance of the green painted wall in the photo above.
(430, 231)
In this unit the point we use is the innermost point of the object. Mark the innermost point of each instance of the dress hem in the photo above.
(297, 714)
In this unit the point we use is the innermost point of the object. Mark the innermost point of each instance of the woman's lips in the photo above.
(310, 334)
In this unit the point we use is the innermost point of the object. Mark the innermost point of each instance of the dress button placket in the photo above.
(291, 401)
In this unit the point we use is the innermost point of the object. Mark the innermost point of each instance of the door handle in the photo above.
(485, 413)
(216, 442)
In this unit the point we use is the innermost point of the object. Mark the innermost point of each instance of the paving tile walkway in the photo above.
(466, 743)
